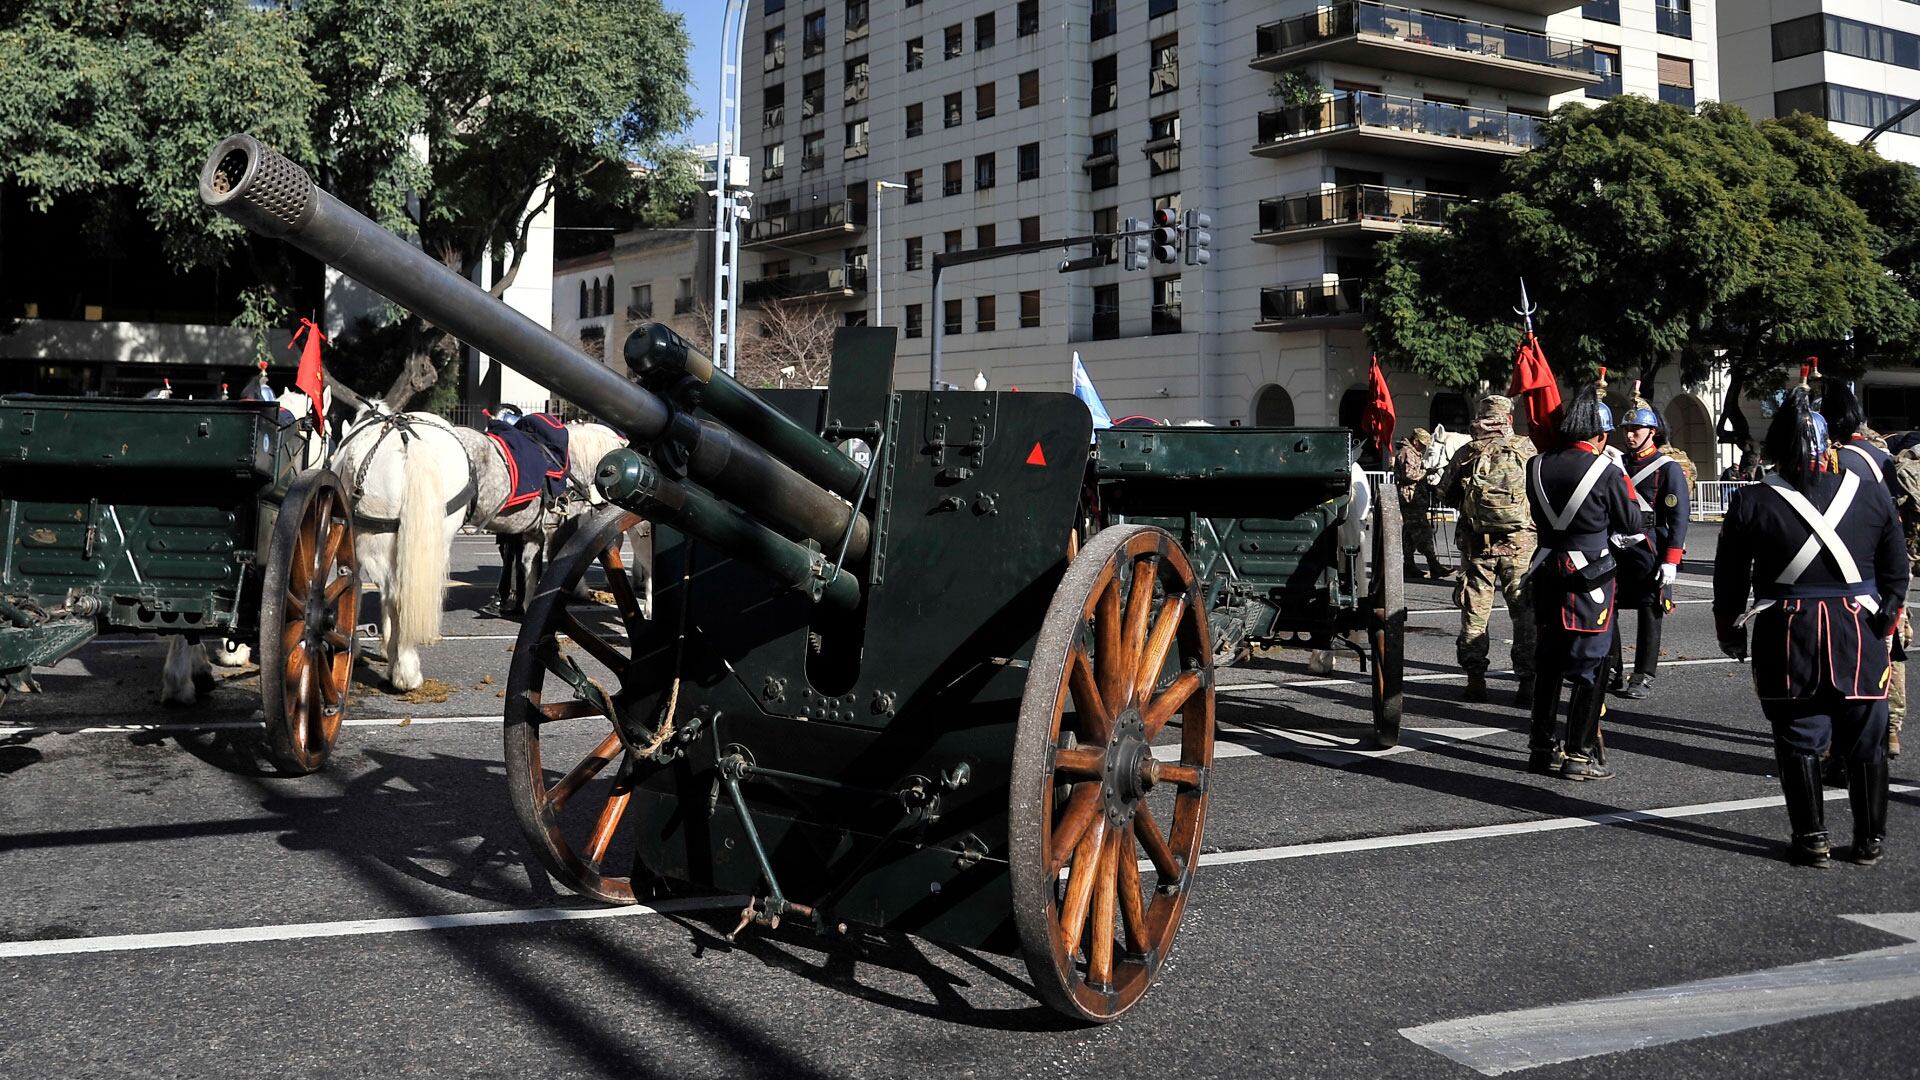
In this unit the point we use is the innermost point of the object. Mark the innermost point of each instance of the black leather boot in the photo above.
(1584, 760)
(1544, 755)
(1806, 808)
(1436, 569)
(1867, 793)
(1476, 691)
(1523, 693)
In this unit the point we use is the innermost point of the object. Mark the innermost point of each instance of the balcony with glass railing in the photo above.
(818, 286)
(1426, 43)
(1677, 95)
(1407, 127)
(1673, 20)
(1355, 210)
(1311, 305)
(804, 226)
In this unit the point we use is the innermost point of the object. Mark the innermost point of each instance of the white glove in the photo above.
(1668, 572)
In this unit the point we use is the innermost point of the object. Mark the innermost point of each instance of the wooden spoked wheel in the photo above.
(309, 606)
(568, 666)
(1387, 619)
(1123, 651)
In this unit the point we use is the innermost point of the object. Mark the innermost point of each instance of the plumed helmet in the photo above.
(1606, 416)
(1796, 440)
(505, 413)
(1644, 416)
(1584, 415)
(1841, 409)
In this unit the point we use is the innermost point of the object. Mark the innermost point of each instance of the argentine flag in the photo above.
(1083, 389)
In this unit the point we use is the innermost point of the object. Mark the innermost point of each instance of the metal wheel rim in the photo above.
(310, 604)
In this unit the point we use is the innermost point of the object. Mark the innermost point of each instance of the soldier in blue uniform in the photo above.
(1580, 501)
(1859, 452)
(1822, 553)
(1649, 565)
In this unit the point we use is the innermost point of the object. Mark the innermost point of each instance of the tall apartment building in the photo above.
(1852, 62)
(1308, 131)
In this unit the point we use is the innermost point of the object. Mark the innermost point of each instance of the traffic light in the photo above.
(1134, 244)
(1198, 238)
(1166, 235)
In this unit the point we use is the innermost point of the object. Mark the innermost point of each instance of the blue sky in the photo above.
(703, 18)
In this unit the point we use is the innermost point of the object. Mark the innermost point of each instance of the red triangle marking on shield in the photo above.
(1036, 458)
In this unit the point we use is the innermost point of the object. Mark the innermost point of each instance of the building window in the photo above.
(640, 302)
(916, 53)
(856, 76)
(1103, 164)
(813, 34)
(585, 302)
(915, 190)
(1105, 84)
(955, 43)
(1164, 56)
(1846, 105)
(1029, 161)
(1606, 11)
(854, 318)
(1166, 305)
(683, 297)
(857, 139)
(914, 121)
(1676, 81)
(983, 31)
(983, 101)
(813, 94)
(775, 7)
(1029, 89)
(1797, 37)
(1606, 64)
(951, 182)
(983, 235)
(1163, 144)
(983, 314)
(913, 320)
(773, 103)
(950, 108)
(950, 241)
(1029, 309)
(813, 150)
(776, 49)
(1106, 220)
(1673, 18)
(1030, 229)
(773, 268)
(952, 321)
(773, 161)
(1106, 312)
(982, 172)
(1169, 201)
(1027, 18)
(1101, 20)
(856, 19)
(1157, 8)
(913, 253)
(1848, 37)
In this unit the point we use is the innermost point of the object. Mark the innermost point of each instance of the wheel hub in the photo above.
(1127, 770)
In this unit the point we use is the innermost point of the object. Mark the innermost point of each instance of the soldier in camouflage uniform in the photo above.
(1487, 480)
(1417, 500)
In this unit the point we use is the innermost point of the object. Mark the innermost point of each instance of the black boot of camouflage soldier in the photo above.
(1583, 734)
(1523, 693)
(1806, 808)
(1867, 794)
(1476, 692)
(1543, 751)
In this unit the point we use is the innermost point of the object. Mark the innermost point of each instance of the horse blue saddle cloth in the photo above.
(535, 450)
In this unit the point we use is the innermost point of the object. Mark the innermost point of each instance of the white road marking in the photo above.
(1438, 676)
(1529, 1038)
(351, 928)
(1238, 741)
(1510, 828)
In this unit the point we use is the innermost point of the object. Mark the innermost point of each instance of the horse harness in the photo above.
(403, 424)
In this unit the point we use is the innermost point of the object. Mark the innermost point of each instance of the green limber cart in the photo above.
(180, 518)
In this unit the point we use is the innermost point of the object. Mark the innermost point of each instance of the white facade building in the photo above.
(1306, 130)
(1853, 62)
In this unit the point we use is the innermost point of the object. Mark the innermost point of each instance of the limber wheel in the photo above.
(309, 606)
(1123, 650)
(567, 666)
(1387, 619)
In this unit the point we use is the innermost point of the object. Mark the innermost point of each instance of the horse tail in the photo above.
(420, 551)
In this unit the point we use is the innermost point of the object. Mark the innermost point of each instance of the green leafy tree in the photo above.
(454, 121)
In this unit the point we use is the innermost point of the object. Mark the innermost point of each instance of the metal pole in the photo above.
(939, 324)
(726, 223)
(879, 260)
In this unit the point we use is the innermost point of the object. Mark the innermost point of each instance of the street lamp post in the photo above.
(878, 263)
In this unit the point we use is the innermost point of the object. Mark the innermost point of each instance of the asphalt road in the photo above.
(1352, 896)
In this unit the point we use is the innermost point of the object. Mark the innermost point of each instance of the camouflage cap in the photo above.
(1495, 407)
(1422, 437)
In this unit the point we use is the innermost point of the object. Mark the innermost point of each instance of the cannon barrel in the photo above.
(654, 349)
(269, 194)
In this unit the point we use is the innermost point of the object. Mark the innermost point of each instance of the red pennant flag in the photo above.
(309, 380)
(1378, 418)
(1534, 386)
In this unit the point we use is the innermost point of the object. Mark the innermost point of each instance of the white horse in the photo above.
(187, 671)
(413, 480)
(1445, 445)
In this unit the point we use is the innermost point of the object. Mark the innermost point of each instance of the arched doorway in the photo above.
(1353, 405)
(1450, 409)
(1690, 428)
(1273, 407)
